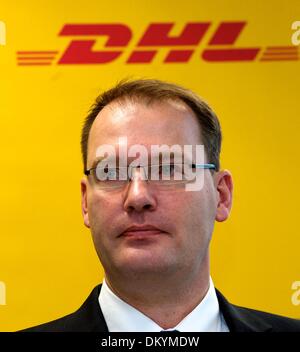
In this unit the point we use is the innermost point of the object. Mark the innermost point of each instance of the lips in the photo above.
(142, 231)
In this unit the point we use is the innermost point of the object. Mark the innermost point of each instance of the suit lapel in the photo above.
(240, 319)
(89, 317)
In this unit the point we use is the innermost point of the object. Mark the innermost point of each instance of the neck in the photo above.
(165, 300)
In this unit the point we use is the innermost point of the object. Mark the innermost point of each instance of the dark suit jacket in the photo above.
(89, 317)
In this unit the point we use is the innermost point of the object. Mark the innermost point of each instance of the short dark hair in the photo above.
(152, 90)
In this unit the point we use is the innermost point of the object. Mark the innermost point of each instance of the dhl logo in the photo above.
(219, 48)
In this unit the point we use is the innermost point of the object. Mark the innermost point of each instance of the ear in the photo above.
(84, 207)
(224, 187)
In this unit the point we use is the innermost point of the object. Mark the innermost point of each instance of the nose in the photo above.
(139, 196)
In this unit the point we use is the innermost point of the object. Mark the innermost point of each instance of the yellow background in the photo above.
(47, 259)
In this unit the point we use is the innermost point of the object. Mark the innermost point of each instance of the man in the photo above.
(152, 234)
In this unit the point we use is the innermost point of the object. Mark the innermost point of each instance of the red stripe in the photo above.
(34, 63)
(282, 48)
(278, 59)
(230, 54)
(36, 58)
(282, 57)
(36, 52)
(280, 53)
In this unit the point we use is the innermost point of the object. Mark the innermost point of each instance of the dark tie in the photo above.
(169, 331)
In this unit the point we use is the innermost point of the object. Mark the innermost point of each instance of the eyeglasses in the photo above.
(163, 175)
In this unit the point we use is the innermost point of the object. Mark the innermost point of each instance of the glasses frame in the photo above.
(88, 172)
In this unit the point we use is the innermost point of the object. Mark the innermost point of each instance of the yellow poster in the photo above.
(243, 58)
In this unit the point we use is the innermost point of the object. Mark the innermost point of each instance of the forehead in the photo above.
(170, 122)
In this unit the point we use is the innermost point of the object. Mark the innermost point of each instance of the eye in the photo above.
(112, 174)
(166, 170)
(106, 173)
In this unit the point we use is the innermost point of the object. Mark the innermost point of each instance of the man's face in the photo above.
(185, 218)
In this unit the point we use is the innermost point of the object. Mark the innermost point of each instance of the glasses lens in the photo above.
(161, 175)
(110, 177)
(171, 173)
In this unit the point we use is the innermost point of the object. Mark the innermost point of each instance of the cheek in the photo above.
(194, 213)
(102, 209)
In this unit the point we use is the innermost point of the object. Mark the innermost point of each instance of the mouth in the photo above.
(142, 232)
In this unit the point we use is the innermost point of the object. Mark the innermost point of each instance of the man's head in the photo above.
(151, 91)
(151, 112)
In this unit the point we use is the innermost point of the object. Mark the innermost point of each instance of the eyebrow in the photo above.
(160, 158)
(96, 161)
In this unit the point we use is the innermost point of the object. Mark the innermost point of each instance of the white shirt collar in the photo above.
(120, 316)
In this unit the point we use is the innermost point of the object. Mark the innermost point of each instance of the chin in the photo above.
(146, 264)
